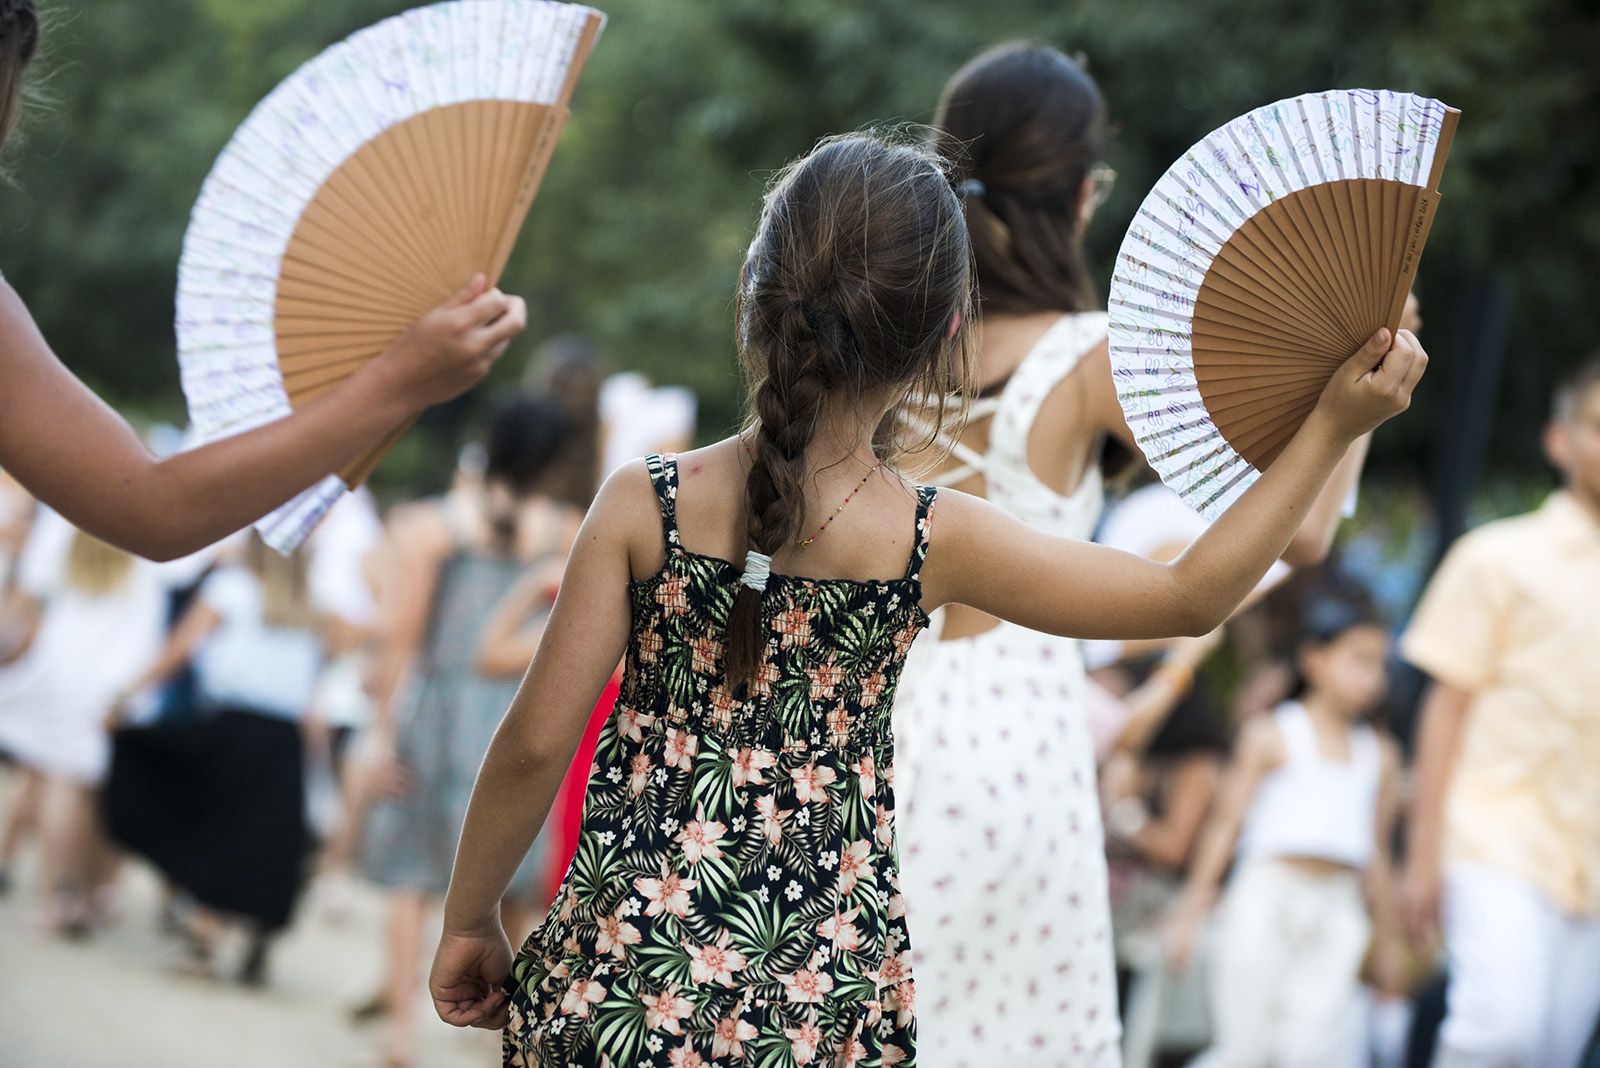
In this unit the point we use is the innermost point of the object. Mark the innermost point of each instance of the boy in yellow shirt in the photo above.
(1505, 827)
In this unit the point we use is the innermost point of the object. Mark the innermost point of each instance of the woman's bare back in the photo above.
(1066, 436)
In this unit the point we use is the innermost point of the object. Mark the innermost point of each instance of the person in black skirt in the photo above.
(218, 805)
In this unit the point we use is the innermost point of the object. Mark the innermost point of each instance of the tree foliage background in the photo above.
(689, 105)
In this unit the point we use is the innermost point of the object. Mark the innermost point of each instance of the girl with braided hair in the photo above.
(735, 892)
(78, 456)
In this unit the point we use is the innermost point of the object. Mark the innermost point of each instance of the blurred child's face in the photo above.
(1573, 445)
(1351, 672)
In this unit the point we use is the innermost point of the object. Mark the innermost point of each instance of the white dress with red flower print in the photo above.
(1003, 862)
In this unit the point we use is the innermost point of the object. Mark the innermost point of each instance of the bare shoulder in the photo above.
(1100, 389)
(715, 473)
(626, 517)
(1260, 744)
(970, 524)
(418, 529)
(627, 491)
(959, 516)
(1094, 366)
(711, 497)
(1100, 354)
(962, 535)
(956, 526)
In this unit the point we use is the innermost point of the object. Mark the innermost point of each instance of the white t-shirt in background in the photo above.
(247, 664)
(337, 575)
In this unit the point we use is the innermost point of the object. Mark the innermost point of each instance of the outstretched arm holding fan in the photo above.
(996, 563)
(337, 276)
(77, 455)
(1267, 254)
(1311, 543)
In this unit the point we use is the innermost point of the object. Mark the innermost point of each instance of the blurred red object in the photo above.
(568, 810)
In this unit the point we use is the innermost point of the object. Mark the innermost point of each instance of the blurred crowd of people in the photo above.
(1302, 873)
(259, 727)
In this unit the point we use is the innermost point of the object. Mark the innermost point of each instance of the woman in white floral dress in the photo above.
(1003, 858)
(1003, 866)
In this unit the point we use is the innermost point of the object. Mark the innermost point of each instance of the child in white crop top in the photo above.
(1305, 813)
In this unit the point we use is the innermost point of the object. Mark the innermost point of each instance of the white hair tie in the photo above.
(757, 569)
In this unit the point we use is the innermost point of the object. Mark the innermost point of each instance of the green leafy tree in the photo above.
(689, 106)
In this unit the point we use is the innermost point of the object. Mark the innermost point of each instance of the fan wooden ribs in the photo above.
(401, 225)
(1263, 258)
(1297, 288)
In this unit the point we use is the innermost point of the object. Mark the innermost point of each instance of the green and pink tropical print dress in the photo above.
(734, 899)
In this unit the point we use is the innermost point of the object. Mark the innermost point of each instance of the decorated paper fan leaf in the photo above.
(1261, 260)
(366, 189)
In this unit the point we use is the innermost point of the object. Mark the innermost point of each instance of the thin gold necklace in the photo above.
(820, 530)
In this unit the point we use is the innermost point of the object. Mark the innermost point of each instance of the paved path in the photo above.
(114, 1001)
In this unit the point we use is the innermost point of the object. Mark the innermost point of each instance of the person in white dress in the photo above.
(1004, 869)
(100, 623)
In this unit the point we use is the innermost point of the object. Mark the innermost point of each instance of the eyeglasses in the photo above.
(1101, 180)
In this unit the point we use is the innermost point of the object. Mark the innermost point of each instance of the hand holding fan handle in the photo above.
(1371, 387)
(450, 349)
(445, 353)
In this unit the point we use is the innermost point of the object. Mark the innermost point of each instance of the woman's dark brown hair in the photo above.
(858, 269)
(522, 453)
(19, 42)
(570, 370)
(1025, 123)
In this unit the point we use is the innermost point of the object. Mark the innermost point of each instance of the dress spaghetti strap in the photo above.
(663, 470)
(927, 497)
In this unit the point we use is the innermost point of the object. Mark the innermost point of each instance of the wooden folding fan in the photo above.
(1265, 257)
(366, 189)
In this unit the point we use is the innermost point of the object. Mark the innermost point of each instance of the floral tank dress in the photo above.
(735, 898)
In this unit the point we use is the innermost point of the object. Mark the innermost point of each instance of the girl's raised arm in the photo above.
(78, 456)
(583, 641)
(985, 558)
(1314, 538)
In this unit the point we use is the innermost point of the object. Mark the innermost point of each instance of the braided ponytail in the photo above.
(858, 268)
(787, 404)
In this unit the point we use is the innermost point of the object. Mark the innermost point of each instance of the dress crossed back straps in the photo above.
(1009, 478)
